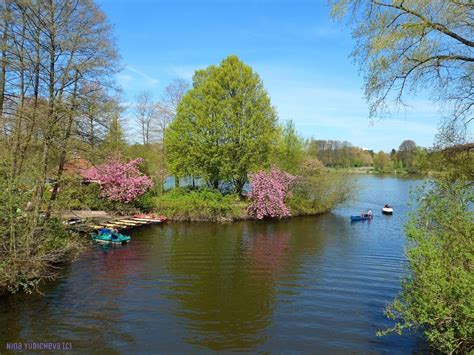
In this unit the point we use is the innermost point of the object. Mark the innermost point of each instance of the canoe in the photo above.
(360, 218)
(387, 210)
(111, 238)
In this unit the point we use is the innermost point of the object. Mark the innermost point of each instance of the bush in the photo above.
(319, 193)
(76, 195)
(438, 295)
(268, 191)
(199, 205)
(35, 258)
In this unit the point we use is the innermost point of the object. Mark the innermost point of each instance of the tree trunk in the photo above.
(18, 150)
(3, 69)
(67, 136)
(239, 187)
(48, 129)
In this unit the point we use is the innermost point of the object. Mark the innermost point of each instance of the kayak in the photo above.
(387, 210)
(360, 218)
(111, 237)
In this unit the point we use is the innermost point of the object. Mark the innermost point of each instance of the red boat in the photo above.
(150, 217)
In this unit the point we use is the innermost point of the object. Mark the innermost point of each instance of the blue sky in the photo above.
(301, 55)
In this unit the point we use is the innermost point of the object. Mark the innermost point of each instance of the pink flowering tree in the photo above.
(118, 181)
(268, 191)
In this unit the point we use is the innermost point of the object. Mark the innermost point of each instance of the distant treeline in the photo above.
(340, 154)
(409, 158)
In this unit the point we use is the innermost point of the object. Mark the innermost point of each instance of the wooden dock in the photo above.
(115, 223)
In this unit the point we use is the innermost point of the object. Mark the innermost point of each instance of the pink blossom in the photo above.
(268, 191)
(119, 181)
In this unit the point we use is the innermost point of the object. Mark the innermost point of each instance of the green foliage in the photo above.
(405, 46)
(288, 151)
(224, 126)
(406, 154)
(382, 162)
(317, 190)
(146, 202)
(337, 154)
(114, 141)
(76, 195)
(204, 204)
(438, 296)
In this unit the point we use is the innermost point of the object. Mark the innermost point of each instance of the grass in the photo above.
(185, 204)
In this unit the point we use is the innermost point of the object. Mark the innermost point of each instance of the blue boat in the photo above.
(360, 218)
(107, 236)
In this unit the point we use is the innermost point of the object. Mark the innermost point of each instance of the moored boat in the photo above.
(107, 236)
(153, 218)
(360, 218)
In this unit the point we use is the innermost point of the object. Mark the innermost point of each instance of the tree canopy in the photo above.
(410, 45)
(224, 127)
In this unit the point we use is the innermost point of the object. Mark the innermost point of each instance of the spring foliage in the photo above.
(122, 182)
(438, 296)
(268, 191)
(224, 127)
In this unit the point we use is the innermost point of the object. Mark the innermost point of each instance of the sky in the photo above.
(300, 53)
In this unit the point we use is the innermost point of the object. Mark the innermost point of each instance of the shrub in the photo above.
(199, 205)
(268, 191)
(319, 193)
(121, 182)
(438, 295)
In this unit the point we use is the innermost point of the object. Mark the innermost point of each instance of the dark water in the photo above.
(305, 285)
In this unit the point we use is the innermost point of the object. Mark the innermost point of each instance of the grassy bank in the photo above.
(200, 205)
(310, 196)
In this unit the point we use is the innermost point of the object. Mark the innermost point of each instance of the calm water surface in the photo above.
(305, 285)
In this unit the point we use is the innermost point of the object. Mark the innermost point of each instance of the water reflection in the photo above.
(313, 284)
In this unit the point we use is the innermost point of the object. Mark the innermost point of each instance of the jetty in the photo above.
(90, 221)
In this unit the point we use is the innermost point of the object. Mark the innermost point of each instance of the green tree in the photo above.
(406, 154)
(289, 149)
(382, 162)
(114, 140)
(438, 295)
(224, 127)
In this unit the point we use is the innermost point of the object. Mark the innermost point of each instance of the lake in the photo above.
(303, 285)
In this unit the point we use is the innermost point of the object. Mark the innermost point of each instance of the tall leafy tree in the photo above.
(289, 150)
(406, 153)
(224, 126)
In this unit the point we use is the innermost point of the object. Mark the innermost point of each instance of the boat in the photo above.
(152, 218)
(107, 236)
(360, 218)
(72, 221)
(387, 210)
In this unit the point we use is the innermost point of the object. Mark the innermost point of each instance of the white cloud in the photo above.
(150, 81)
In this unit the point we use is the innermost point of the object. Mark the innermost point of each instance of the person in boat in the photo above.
(367, 214)
(104, 231)
(114, 233)
(386, 206)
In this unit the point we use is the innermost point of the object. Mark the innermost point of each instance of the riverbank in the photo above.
(308, 197)
(196, 210)
(37, 256)
(370, 170)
